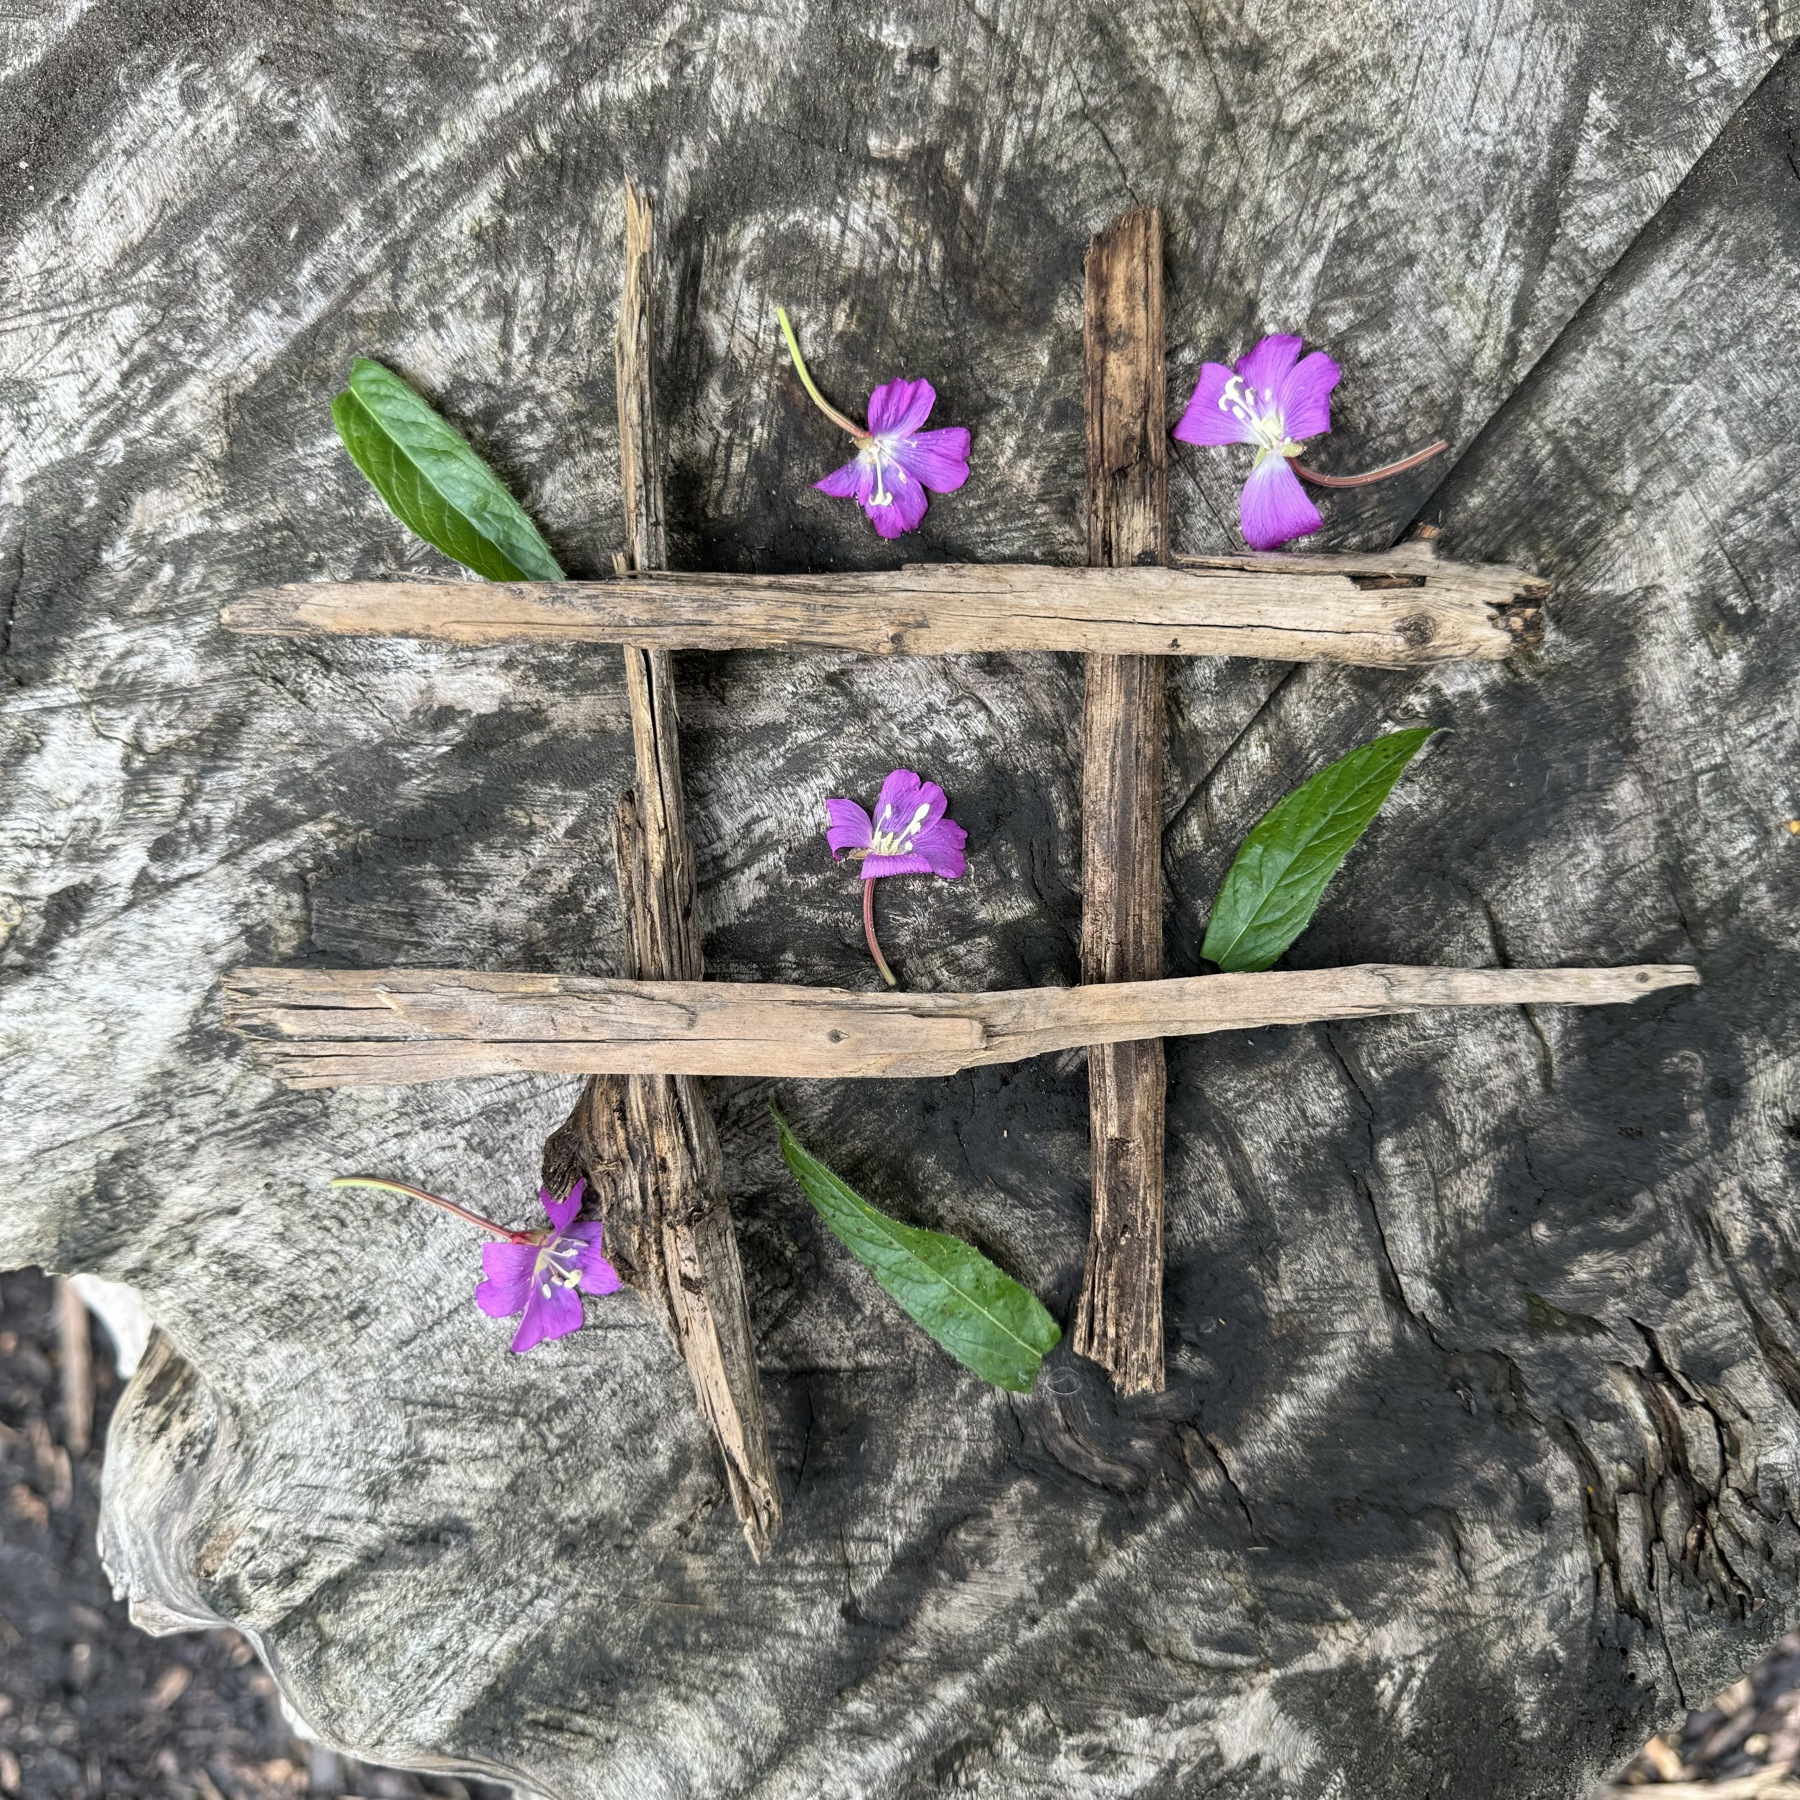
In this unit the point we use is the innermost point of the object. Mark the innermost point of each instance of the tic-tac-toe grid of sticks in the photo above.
(641, 1132)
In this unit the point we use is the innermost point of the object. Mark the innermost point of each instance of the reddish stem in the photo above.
(887, 974)
(449, 1206)
(1349, 481)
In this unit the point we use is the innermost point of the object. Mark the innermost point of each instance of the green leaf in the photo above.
(977, 1312)
(432, 481)
(1274, 886)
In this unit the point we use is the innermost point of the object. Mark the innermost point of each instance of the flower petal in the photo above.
(941, 844)
(847, 827)
(899, 408)
(905, 506)
(580, 1248)
(508, 1269)
(551, 1311)
(562, 1212)
(1266, 367)
(1304, 396)
(913, 863)
(1274, 506)
(598, 1276)
(899, 799)
(854, 481)
(1207, 419)
(938, 459)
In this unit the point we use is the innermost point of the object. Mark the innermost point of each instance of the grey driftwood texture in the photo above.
(1480, 1453)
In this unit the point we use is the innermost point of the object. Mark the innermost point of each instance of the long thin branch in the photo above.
(1399, 609)
(1118, 1320)
(380, 1027)
(648, 1144)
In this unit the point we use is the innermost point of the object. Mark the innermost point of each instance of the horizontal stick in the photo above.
(382, 1027)
(1398, 609)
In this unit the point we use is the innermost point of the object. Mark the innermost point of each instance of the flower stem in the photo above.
(806, 380)
(449, 1206)
(887, 974)
(1381, 474)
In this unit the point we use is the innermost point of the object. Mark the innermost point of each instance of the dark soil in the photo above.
(90, 1705)
(1749, 1737)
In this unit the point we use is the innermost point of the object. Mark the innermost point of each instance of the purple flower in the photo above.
(545, 1274)
(896, 462)
(1274, 400)
(909, 834)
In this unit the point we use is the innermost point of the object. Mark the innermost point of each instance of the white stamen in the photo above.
(1264, 424)
(877, 454)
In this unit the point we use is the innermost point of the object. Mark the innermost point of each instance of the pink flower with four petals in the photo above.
(545, 1276)
(542, 1274)
(897, 462)
(909, 835)
(1273, 400)
(896, 459)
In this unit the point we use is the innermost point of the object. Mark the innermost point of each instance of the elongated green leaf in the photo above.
(977, 1312)
(423, 467)
(1274, 886)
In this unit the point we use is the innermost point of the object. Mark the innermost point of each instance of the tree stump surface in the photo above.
(1479, 1456)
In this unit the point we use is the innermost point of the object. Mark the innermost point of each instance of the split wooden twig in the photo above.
(1401, 608)
(647, 1144)
(1119, 1320)
(379, 1027)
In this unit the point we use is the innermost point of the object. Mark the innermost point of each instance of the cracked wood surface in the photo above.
(1477, 1455)
(375, 1027)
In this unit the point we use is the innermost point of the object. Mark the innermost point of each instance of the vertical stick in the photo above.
(1119, 1323)
(648, 1143)
(75, 1350)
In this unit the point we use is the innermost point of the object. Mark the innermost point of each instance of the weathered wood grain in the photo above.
(1401, 609)
(357, 1027)
(1476, 1458)
(648, 1145)
(1119, 1320)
